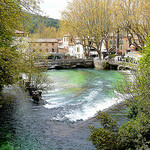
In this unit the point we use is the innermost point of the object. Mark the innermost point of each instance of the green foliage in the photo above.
(107, 121)
(37, 19)
(7, 146)
(106, 65)
(7, 21)
(106, 136)
(9, 66)
(127, 59)
(111, 55)
(12, 17)
(134, 134)
(5, 138)
(103, 139)
(133, 111)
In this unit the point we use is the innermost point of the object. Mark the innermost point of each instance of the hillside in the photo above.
(49, 22)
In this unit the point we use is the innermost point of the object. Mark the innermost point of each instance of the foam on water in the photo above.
(90, 110)
(80, 96)
(92, 95)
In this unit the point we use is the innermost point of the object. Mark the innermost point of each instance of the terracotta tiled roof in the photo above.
(43, 40)
(19, 32)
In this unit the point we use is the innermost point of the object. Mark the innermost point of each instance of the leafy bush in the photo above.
(106, 65)
(112, 55)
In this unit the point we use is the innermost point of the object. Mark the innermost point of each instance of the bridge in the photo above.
(66, 63)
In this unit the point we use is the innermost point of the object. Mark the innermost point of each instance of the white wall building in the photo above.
(21, 40)
(66, 41)
(74, 48)
(79, 53)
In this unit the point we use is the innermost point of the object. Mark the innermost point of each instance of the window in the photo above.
(121, 42)
(46, 50)
(120, 47)
(78, 49)
(110, 42)
(52, 50)
(52, 44)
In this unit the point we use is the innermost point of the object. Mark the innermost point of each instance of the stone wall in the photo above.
(98, 64)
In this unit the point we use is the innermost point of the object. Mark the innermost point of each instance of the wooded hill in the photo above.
(36, 19)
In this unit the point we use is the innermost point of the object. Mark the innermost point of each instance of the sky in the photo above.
(53, 8)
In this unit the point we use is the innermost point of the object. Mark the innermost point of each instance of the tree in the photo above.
(45, 32)
(10, 65)
(39, 30)
(90, 21)
(12, 16)
(104, 138)
(132, 16)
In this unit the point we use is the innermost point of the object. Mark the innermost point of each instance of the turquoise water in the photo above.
(63, 122)
(81, 93)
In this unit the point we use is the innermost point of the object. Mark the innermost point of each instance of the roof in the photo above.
(67, 35)
(19, 32)
(44, 40)
(60, 42)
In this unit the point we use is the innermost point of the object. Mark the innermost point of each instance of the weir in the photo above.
(66, 63)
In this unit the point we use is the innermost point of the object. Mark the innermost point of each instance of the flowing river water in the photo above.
(62, 122)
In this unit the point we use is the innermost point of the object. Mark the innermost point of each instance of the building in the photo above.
(21, 41)
(45, 45)
(21, 34)
(123, 43)
(69, 45)
(75, 49)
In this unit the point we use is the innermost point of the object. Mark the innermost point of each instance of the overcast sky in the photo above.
(53, 8)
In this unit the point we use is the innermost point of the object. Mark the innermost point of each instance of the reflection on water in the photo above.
(81, 93)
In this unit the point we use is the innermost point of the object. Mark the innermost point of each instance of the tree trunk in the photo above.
(117, 52)
(106, 44)
(1, 88)
(99, 55)
(86, 54)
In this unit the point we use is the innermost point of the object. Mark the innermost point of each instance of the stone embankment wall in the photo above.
(98, 64)
(67, 64)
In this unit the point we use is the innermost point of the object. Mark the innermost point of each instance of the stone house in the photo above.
(45, 45)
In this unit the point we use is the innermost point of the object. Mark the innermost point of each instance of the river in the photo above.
(62, 122)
